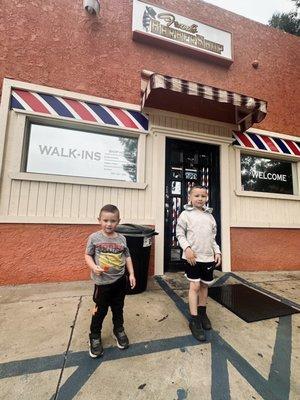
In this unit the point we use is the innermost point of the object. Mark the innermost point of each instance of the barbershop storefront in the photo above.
(65, 152)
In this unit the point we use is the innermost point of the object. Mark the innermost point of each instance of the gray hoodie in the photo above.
(197, 229)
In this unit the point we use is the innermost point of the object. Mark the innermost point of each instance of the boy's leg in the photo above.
(101, 298)
(193, 297)
(195, 323)
(203, 294)
(207, 278)
(99, 313)
(117, 304)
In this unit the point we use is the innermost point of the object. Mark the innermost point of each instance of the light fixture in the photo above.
(92, 6)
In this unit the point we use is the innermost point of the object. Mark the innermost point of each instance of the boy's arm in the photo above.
(130, 270)
(181, 233)
(184, 244)
(91, 264)
(216, 248)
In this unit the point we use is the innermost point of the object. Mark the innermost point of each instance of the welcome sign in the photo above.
(151, 21)
(266, 175)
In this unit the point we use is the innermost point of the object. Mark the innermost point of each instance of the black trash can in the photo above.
(139, 240)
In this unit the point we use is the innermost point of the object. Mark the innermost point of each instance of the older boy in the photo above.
(107, 255)
(196, 232)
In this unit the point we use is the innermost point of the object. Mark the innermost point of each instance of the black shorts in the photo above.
(201, 272)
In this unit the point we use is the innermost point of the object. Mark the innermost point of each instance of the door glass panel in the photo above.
(176, 210)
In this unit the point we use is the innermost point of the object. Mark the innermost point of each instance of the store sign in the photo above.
(152, 21)
(266, 175)
(62, 151)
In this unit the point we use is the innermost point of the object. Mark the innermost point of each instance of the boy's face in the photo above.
(198, 197)
(109, 222)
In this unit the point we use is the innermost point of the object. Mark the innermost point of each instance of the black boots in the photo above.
(206, 324)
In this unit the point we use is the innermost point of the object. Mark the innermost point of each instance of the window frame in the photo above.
(264, 154)
(84, 126)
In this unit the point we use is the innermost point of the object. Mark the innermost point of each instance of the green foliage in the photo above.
(288, 22)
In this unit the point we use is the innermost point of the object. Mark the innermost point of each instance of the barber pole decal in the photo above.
(252, 140)
(176, 209)
(79, 110)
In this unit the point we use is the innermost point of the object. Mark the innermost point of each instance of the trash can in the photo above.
(139, 240)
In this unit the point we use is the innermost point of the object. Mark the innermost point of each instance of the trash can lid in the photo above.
(135, 230)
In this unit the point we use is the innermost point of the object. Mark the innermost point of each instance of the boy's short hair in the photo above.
(197, 187)
(110, 208)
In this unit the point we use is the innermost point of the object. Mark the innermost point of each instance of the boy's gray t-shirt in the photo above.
(109, 253)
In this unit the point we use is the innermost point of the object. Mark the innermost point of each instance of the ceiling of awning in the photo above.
(199, 100)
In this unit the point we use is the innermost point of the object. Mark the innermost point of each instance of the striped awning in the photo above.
(251, 140)
(241, 109)
(80, 110)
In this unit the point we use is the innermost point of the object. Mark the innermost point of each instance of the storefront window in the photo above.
(260, 174)
(61, 151)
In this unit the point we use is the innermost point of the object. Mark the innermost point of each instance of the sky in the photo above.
(258, 10)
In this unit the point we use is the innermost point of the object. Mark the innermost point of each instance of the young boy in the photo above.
(107, 255)
(196, 232)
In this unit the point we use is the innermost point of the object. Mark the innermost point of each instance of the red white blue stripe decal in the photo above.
(273, 144)
(79, 110)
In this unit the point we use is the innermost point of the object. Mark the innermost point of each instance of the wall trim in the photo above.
(263, 225)
(10, 219)
(266, 195)
(275, 134)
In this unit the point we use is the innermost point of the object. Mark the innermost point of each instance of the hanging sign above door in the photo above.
(158, 26)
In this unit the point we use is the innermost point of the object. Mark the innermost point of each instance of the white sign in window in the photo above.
(61, 151)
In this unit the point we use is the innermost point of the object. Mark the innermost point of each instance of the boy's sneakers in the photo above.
(206, 324)
(96, 349)
(121, 338)
(197, 329)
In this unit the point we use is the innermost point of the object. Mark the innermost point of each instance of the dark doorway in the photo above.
(187, 164)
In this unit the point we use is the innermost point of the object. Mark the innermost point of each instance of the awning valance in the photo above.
(192, 98)
(47, 104)
(255, 141)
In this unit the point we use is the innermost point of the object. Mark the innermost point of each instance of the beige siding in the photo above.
(189, 124)
(71, 203)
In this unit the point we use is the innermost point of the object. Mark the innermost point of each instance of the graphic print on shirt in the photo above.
(110, 255)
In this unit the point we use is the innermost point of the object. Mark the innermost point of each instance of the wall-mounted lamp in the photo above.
(92, 6)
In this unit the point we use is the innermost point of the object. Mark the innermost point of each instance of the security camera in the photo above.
(92, 6)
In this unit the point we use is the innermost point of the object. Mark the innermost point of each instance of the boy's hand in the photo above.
(132, 281)
(98, 270)
(190, 256)
(218, 259)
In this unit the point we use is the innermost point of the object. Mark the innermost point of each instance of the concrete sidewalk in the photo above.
(44, 342)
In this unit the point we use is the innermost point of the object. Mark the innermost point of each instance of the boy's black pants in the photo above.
(106, 296)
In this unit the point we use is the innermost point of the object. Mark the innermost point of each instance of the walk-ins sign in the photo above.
(60, 151)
